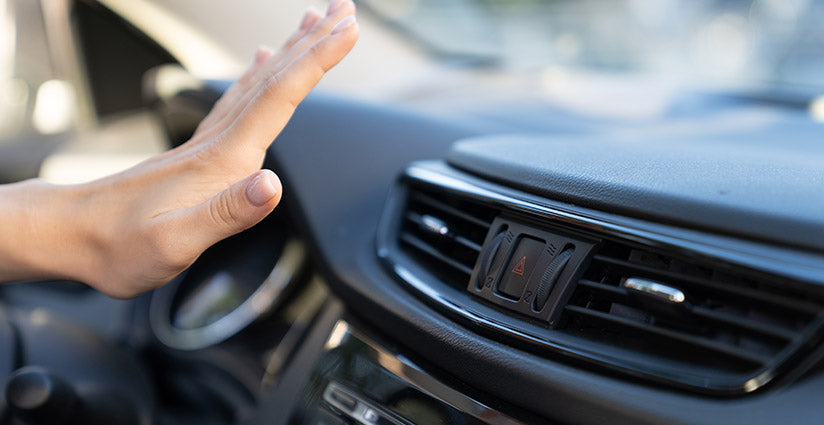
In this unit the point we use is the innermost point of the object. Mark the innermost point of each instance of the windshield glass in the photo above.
(763, 42)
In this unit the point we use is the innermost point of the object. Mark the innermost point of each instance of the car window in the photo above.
(34, 95)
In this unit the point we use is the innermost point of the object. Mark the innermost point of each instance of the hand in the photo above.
(136, 230)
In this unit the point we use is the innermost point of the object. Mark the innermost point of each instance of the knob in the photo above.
(36, 396)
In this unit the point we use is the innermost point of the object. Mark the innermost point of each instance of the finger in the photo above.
(337, 12)
(266, 115)
(264, 54)
(231, 211)
(310, 18)
(224, 104)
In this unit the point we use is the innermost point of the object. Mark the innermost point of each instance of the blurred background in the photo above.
(613, 59)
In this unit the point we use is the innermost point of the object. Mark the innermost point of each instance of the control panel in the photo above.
(528, 269)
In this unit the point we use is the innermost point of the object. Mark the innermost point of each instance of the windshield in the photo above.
(762, 42)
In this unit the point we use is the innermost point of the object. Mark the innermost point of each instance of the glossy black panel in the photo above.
(357, 380)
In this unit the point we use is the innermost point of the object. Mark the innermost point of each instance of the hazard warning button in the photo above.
(516, 274)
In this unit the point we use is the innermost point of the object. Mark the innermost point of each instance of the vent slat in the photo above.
(753, 326)
(731, 322)
(468, 243)
(444, 234)
(791, 304)
(723, 324)
(603, 287)
(434, 253)
(720, 348)
(758, 327)
(418, 220)
(434, 203)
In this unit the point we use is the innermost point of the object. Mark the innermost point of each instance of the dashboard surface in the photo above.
(341, 209)
(351, 342)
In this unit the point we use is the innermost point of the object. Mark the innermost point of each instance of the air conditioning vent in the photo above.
(444, 234)
(685, 319)
(704, 312)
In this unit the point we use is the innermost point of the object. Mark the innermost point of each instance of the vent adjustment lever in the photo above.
(550, 276)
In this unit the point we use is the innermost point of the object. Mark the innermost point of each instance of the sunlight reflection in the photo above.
(817, 108)
(55, 107)
(722, 45)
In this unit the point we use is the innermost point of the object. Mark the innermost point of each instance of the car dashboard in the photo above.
(427, 268)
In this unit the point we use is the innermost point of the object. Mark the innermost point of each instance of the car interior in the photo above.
(453, 256)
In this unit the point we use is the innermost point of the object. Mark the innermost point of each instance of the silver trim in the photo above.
(417, 377)
(363, 412)
(656, 289)
(265, 298)
(309, 303)
(434, 225)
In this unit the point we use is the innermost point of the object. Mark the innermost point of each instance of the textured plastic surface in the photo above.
(524, 261)
(744, 184)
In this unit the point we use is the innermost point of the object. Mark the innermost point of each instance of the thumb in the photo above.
(231, 211)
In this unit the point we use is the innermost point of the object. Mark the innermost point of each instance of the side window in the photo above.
(34, 97)
(71, 101)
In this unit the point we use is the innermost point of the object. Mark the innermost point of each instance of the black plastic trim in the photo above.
(723, 250)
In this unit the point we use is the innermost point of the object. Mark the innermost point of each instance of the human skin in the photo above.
(136, 230)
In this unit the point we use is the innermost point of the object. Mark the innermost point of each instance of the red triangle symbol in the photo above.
(519, 268)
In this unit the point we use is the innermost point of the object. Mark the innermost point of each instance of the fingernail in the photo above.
(334, 6)
(261, 189)
(308, 17)
(344, 24)
(262, 53)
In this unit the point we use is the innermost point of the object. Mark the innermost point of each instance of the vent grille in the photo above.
(444, 234)
(729, 327)
(708, 318)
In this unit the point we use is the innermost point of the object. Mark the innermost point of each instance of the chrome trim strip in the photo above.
(656, 289)
(419, 378)
(434, 225)
(363, 412)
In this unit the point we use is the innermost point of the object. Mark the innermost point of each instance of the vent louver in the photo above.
(727, 328)
(444, 234)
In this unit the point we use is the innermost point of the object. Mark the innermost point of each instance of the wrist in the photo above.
(46, 232)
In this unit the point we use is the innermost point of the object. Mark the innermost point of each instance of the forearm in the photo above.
(42, 231)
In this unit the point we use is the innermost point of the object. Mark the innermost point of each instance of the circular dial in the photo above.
(230, 286)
